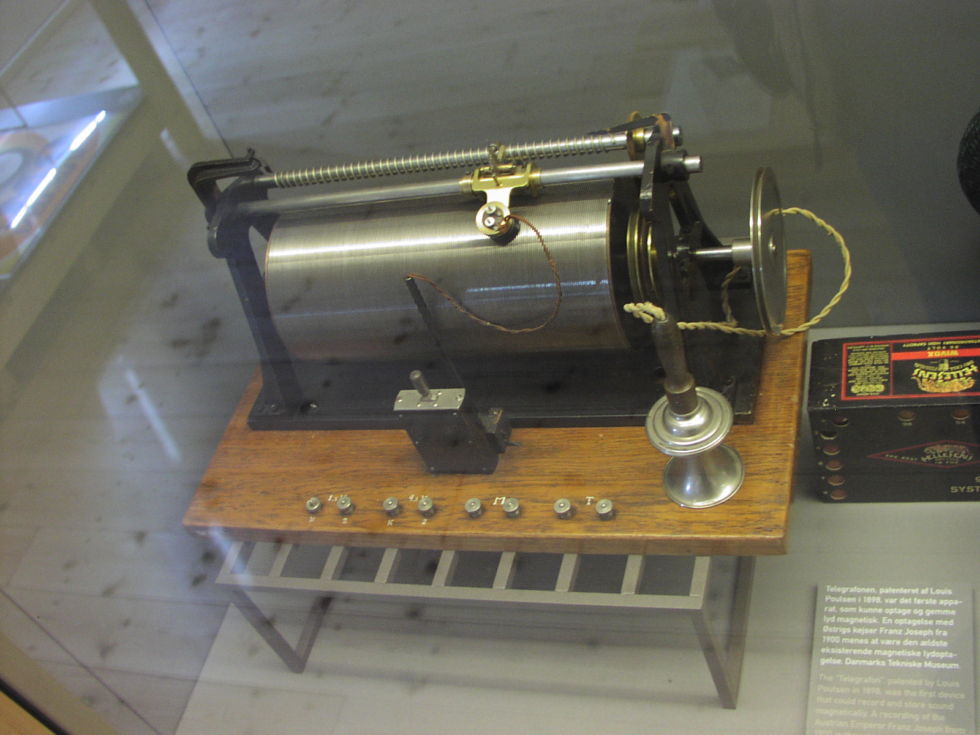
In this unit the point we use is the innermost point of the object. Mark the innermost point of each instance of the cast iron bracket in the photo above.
(228, 238)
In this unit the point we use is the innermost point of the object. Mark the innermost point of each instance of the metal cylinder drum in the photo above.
(336, 282)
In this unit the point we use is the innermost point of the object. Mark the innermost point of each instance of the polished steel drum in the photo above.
(336, 283)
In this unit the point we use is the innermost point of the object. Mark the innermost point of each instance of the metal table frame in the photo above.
(723, 652)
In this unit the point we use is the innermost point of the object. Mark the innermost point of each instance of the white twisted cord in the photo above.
(649, 312)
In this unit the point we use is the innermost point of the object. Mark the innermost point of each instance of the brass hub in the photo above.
(641, 256)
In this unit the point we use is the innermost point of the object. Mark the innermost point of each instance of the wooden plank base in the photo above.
(258, 481)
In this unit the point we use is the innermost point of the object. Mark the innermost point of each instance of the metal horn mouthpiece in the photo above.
(689, 424)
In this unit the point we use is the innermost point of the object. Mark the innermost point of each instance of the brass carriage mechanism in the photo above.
(497, 182)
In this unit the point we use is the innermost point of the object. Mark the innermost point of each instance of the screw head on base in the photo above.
(473, 507)
(563, 508)
(345, 506)
(605, 509)
(426, 506)
(392, 506)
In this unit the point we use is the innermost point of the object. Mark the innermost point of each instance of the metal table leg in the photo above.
(294, 658)
(724, 655)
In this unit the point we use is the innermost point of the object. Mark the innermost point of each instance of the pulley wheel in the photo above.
(768, 251)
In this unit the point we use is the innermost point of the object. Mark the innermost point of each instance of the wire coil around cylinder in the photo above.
(336, 285)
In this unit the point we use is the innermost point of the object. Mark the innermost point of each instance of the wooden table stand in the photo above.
(258, 483)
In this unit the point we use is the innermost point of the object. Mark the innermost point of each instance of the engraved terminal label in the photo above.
(939, 455)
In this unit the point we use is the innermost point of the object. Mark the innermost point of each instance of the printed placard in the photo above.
(892, 659)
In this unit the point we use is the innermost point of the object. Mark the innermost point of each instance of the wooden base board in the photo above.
(258, 482)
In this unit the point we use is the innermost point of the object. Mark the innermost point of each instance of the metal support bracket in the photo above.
(498, 181)
(228, 239)
(205, 175)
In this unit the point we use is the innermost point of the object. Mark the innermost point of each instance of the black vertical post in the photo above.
(228, 238)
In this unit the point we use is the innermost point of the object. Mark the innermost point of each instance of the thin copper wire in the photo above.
(466, 311)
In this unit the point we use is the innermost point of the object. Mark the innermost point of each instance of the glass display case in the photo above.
(125, 350)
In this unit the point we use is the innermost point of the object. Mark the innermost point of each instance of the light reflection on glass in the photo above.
(86, 132)
(77, 142)
(163, 435)
(547, 233)
(352, 248)
(111, 388)
(536, 286)
(38, 190)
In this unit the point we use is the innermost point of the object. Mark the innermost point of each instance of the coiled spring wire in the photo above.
(557, 148)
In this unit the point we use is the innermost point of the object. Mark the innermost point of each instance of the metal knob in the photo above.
(564, 509)
(473, 507)
(313, 505)
(418, 381)
(605, 510)
(391, 506)
(426, 507)
(345, 505)
(512, 507)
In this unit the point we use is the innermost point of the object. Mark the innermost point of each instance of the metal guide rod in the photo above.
(449, 159)
(423, 190)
